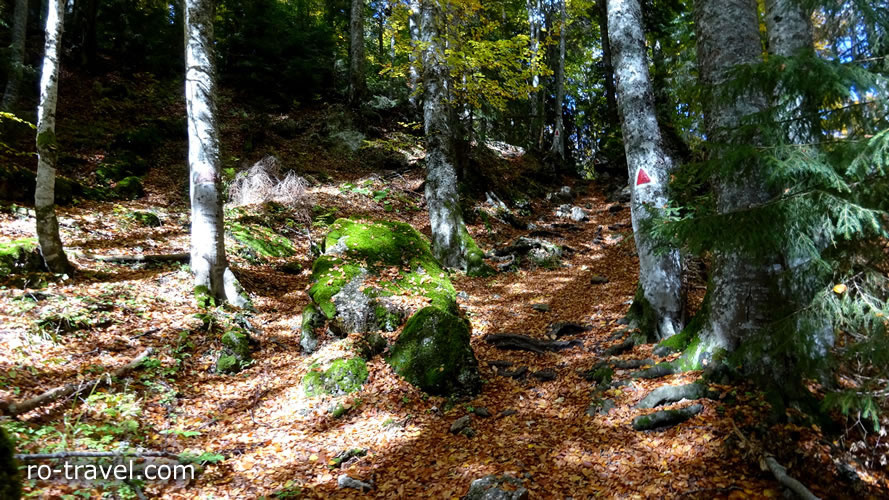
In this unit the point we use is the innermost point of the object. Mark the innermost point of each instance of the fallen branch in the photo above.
(131, 259)
(73, 389)
(779, 471)
(515, 341)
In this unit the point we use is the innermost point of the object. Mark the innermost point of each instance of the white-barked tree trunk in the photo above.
(208, 260)
(47, 149)
(649, 165)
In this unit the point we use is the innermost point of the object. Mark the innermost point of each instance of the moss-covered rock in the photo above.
(343, 376)
(255, 242)
(354, 251)
(311, 319)
(433, 353)
(20, 256)
(10, 487)
(371, 345)
(129, 188)
(236, 351)
(149, 219)
(18, 184)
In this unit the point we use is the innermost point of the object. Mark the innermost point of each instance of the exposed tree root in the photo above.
(778, 470)
(674, 393)
(657, 371)
(621, 348)
(74, 389)
(515, 341)
(666, 418)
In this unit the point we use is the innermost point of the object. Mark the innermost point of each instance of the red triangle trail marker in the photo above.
(642, 178)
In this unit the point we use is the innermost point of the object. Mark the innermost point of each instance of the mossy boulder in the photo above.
(129, 188)
(311, 319)
(255, 242)
(10, 487)
(433, 353)
(235, 355)
(20, 256)
(342, 376)
(144, 218)
(353, 252)
(18, 184)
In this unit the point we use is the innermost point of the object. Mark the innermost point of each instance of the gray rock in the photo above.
(598, 280)
(354, 309)
(491, 488)
(349, 140)
(481, 412)
(463, 295)
(578, 214)
(460, 424)
(344, 481)
(540, 307)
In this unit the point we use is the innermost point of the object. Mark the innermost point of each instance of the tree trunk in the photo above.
(357, 84)
(649, 165)
(728, 35)
(534, 27)
(16, 55)
(607, 67)
(451, 243)
(88, 34)
(789, 29)
(414, 27)
(559, 131)
(47, 152)
(208, 261)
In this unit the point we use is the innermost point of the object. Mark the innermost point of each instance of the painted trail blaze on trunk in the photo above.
(642, 178)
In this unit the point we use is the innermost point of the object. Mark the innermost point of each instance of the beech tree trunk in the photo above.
(47, 153)
(559, 129)
(649, 164)
(16, 55)
(534, 28)
(451, 243)
(208, 261)
(357, 84)
(728, 35)
(608, 67)
(414, 28)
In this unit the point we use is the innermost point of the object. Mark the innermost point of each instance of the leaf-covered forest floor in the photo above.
(277, 441)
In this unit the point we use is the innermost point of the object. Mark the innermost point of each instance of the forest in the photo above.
(507, 249)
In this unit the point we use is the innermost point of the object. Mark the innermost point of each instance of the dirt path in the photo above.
(277, 440)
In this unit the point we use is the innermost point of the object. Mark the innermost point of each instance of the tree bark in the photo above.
(607, 67)
(789, 30)
(16, 55)
(728, 35)
(534, 28)
(559, 129)
(208, 260)
(47, 152)
(414, 72)
(442, 198)
(357, 84)
(649, 164)
(88, 34)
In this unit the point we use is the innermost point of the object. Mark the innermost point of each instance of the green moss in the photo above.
(203, 297)
(9, 480)
(308, 340)
(342, 377)
(643, 316)
(257, 241)
(145, 218)
(20, 256)
(602, 375)
(129, 188)
(679, 341)
(238, 342)
(353, 246)
(329, 275)
(228, 363)
(475, 258)
(433, 353)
